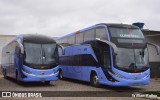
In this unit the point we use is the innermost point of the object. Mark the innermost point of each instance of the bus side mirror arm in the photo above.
(62, 48)
(110, 44)
(156, 46)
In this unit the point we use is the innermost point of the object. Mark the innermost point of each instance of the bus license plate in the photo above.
(136, 84)
(42, 79)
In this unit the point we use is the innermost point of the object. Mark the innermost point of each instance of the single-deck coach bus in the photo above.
(109, 54)
(30, 58)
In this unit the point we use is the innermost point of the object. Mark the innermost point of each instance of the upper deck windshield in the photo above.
(127, 37)
(121, 32)
(38, 55)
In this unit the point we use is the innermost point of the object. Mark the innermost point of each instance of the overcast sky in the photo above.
(59, 17)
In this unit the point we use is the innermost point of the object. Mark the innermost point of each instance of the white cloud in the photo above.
(59, 17)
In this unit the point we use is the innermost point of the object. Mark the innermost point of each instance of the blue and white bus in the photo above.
(29, 58)
(109, 54)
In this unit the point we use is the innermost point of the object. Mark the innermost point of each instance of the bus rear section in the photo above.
(31, 58)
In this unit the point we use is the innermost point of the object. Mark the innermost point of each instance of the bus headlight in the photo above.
(117, 75)
(26, 71)
(147, 75)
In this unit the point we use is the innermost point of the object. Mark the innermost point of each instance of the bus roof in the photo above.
(35, 38)
(101, 24)
(118, 25)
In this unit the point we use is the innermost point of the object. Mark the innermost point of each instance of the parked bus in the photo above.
(109, 54)
(30, 58)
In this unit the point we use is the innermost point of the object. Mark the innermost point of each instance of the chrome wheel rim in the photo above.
(95, 79)
(61, 75)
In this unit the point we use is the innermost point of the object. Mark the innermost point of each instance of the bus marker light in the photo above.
(42, 67)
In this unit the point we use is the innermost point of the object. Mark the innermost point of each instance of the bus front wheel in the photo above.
(94, 80)
(60, 76)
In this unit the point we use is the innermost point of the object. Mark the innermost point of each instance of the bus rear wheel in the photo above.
(94, 80)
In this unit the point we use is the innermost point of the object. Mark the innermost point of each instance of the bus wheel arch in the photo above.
(94, 79)
(60, 76)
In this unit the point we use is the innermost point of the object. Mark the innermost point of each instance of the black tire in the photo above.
(47, 82)
(95, 80)
(4, 73)
(60, 76)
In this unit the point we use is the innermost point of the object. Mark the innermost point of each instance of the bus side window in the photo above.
(101, 33)
(79, 38)
(89, 35)
(71, 40)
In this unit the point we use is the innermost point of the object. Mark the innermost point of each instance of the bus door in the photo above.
(8, 65)
(106, 60)
(12, 70)
(17, 58)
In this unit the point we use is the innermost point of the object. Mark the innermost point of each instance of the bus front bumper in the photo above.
(125, 82)
(39, 78)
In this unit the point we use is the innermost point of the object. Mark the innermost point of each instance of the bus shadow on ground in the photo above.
(113, 88)
(30, 84)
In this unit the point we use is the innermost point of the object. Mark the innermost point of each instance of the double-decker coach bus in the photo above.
(30, 58)
(109, 54)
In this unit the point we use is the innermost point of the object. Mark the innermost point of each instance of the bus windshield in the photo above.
(41, 54)
(132, 55)
(128, 59)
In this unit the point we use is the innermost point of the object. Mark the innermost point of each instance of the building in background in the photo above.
(3, 40)
(154, 59)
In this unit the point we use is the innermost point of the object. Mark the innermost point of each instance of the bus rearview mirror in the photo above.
(156, 46)
(114, 47)
(62, 48)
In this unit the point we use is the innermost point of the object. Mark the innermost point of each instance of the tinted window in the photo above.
(130, 41)
(102, 52)
(89, 35)
(79, 38)
(40, 54)
(125, 32)
(64, 42)
(58, 41)
(71, 39)
(101, 33)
